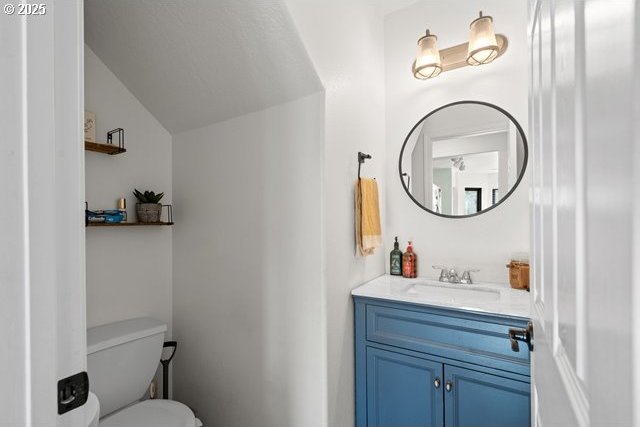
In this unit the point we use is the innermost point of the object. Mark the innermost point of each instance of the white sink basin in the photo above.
(448, 292)
(497, 298)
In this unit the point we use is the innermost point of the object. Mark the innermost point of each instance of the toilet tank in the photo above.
(122, 358)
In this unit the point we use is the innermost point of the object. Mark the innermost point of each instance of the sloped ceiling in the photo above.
(196, 62)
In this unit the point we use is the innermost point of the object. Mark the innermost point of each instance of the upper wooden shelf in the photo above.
(110, 149)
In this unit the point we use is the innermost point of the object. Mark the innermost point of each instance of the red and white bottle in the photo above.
(409, 263)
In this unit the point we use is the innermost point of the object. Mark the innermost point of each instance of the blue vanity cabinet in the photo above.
(401, 390)
(428, 366)
(478, 399)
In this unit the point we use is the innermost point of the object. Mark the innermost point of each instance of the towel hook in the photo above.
(361, 158)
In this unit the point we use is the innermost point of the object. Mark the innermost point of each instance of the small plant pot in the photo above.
(149, 212)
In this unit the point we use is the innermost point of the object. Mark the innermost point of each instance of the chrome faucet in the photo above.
(449, 275)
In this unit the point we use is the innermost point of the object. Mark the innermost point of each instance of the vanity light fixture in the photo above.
(483, 47)
(428, 63)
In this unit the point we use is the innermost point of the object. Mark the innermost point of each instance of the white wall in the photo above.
(456, 242)
(128, 269)
(247, 268)
(344, 40)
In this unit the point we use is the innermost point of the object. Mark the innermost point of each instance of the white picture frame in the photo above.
(89, 126)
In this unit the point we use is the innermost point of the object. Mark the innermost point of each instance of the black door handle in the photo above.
(524, 335)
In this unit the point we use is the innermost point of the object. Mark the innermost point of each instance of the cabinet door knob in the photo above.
(436, 383)
(448, 385)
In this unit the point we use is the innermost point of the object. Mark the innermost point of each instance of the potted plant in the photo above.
(148, 208)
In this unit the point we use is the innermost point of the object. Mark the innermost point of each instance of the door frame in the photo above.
(42, 264)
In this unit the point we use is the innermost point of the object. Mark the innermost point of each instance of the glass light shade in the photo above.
(483, 47)
(428, 63)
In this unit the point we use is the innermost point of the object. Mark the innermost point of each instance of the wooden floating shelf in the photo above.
(110, 149)
(128, 224)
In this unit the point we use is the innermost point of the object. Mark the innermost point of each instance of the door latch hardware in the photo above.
(73, 392)
(524, 335)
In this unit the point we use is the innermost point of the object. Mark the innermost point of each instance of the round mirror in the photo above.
(463, 159)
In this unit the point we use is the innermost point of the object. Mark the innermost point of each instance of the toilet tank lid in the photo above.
(113, 334)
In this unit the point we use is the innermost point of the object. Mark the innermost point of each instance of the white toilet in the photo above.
(122, 359)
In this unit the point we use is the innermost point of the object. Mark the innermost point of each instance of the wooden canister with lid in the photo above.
(519, 274)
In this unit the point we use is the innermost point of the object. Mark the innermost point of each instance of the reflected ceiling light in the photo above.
(458, 162)
(483, 47)
(427, 64)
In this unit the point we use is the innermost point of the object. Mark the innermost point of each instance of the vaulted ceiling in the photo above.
(196, 62)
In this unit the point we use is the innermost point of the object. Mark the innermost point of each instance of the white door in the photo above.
(42, 280)
(585, 211)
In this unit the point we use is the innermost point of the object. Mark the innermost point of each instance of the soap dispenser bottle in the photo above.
(395, 260)
(409, 263)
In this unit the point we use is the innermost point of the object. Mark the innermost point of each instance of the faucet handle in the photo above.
(466, 276)
(453, 276)
(444, 272)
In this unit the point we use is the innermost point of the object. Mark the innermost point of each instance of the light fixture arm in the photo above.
(456, 56)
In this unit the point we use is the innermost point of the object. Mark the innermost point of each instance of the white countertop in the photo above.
(494, 298)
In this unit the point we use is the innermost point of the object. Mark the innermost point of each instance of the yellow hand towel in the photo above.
(368, 231)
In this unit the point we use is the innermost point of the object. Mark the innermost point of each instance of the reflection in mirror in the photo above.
(463, 159)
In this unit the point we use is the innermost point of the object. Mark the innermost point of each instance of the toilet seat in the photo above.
(152, 413)
(92, 411)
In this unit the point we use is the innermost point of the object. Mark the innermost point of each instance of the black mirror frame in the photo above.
(506, 196)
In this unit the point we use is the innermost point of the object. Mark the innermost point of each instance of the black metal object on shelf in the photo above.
(120, 133)
(169, 213)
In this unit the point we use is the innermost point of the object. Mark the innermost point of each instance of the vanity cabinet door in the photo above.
(478, 399)
(403, 390)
